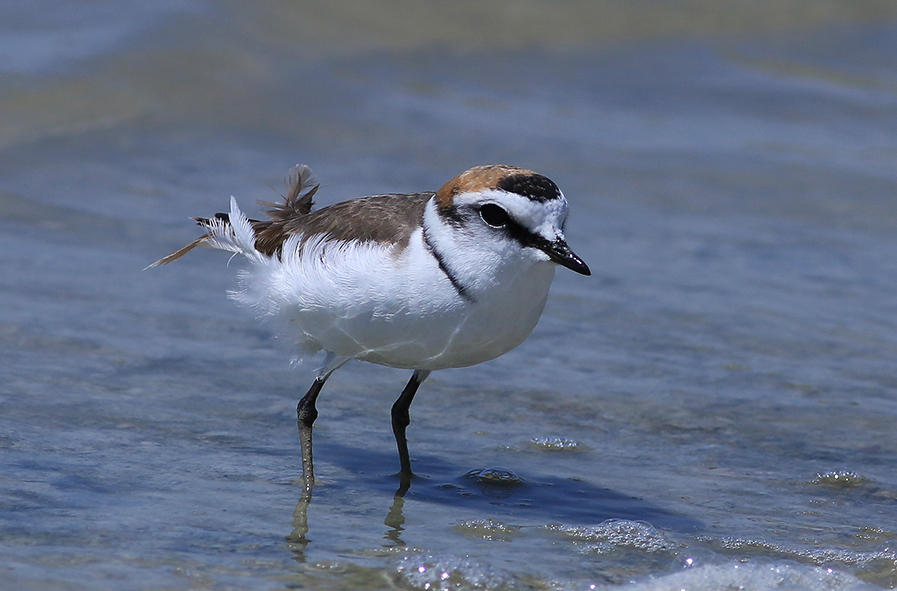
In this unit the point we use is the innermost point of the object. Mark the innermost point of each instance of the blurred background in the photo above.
(714, 407)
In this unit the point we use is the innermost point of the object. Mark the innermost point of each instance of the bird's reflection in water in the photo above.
(395, 519)
(300, 524)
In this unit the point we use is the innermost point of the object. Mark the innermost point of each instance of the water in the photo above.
(714, 407)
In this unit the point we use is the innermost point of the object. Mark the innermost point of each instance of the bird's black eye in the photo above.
(494, 215)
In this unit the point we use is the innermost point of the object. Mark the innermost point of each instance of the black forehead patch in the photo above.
(534, 186)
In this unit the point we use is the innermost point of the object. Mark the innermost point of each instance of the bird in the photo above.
(417, 281)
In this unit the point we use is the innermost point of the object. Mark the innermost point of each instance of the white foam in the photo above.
(754, 577)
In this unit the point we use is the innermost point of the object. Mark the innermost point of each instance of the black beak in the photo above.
(560, 253)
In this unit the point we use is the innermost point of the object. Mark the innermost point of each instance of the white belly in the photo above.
(400, 310)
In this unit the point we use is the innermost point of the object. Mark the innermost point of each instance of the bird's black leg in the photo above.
(401, 419)
(307, 413)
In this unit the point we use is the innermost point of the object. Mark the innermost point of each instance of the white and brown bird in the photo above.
(419, 281)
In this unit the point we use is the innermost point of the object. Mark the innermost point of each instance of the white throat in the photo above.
(479, 265)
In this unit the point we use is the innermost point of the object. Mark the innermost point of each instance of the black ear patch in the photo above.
(534, 186)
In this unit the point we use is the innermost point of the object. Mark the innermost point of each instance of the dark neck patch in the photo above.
(440, 260)
(535, 186)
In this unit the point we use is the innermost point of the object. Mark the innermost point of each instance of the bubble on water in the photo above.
(885, 553)
(488, 529)
(873, 533)
(556, 444)
(618, 533)
(438, 573)
(495, 476)
(840, 479)
(774, 576)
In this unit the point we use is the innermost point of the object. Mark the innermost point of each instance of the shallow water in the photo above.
(714, 407)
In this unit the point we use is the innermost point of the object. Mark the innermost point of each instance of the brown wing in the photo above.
(379, 218)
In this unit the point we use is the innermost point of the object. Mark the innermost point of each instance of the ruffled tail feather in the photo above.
(235, 233)
(232, 232)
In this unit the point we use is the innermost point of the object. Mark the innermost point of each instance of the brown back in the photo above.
(380, 218)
